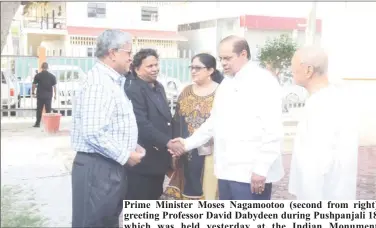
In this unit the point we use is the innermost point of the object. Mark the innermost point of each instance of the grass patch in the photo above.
(17, 210)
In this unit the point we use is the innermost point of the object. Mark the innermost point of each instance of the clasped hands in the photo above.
(176, 147)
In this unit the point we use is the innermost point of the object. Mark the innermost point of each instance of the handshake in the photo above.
(176, 147)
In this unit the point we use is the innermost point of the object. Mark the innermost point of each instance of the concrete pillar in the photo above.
(41, 57)
(41, 53)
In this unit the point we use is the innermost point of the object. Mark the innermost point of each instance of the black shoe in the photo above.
(36, 125)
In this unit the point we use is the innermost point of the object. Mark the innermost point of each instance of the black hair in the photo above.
(140, 56)
(44, 66)
(239, 45)
(210, 62)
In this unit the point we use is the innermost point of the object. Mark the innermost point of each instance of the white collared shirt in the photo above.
(246, 124)
(325, 157)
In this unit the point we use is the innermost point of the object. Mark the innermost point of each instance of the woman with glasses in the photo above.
(193, 177)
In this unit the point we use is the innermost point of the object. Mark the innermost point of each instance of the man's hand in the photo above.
(140, 149)
(257, 183)
(136, 156)
(176, 147)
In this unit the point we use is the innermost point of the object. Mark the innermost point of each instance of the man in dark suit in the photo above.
(145, 180)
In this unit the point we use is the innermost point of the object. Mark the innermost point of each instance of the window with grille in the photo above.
(90, 51)
(149, 13)
(197, 25)
(96, 10)
(86, 41)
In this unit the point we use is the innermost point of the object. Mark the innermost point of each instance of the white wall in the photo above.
(349, 35)
(125, 15)
(202, 40)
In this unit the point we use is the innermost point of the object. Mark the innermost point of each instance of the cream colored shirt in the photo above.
(246, 125)
(325, 156)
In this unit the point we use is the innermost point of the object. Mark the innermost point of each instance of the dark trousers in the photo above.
(144, 187)
(46, 102)
(232, 190)
(98, 189)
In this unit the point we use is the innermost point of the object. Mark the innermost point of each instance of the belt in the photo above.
(97, 155)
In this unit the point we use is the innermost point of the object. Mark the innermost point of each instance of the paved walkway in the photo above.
(29, 160)
(366, 176)
(42, 164)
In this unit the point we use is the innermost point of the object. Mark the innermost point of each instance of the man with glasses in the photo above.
(104, 134)
(246, 125)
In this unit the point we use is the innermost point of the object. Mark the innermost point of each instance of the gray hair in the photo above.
(315, 57)
(111, 39)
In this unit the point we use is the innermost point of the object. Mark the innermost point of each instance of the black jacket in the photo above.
(154, 121)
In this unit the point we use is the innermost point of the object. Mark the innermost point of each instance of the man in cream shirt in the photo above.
(246, 125)
(325, 157)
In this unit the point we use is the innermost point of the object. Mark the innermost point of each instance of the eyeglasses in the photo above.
(226, 58)
(125, 50)
(196, 68)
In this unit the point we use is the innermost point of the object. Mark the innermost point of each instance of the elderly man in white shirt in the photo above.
(104, 134)
(246, 125)
(325, 156)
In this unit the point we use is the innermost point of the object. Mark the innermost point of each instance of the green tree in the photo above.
(276, 54)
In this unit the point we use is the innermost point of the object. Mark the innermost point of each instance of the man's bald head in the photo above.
(315, 57)
(234, 53)
(309, 65)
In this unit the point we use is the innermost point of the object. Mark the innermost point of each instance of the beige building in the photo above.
(71, 28)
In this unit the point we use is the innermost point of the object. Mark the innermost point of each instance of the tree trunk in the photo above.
(8, 10)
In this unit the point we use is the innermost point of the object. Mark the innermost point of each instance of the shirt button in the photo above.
(168, 123)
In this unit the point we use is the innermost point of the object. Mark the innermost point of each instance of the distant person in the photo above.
(128, 78)
(325, 156)
(193, 178)
(45, 82)
(104, 135)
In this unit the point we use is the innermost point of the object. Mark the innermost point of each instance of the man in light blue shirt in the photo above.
(104, 135)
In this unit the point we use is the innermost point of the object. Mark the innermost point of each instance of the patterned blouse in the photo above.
(192, 111)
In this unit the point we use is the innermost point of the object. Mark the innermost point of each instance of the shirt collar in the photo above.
(243, 72)
(115, 76)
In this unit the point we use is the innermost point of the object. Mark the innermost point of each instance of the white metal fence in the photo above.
(17, 74)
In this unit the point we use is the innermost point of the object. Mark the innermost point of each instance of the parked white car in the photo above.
(9, 90)
(294, 94)
(171, 85)
(67, 78)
